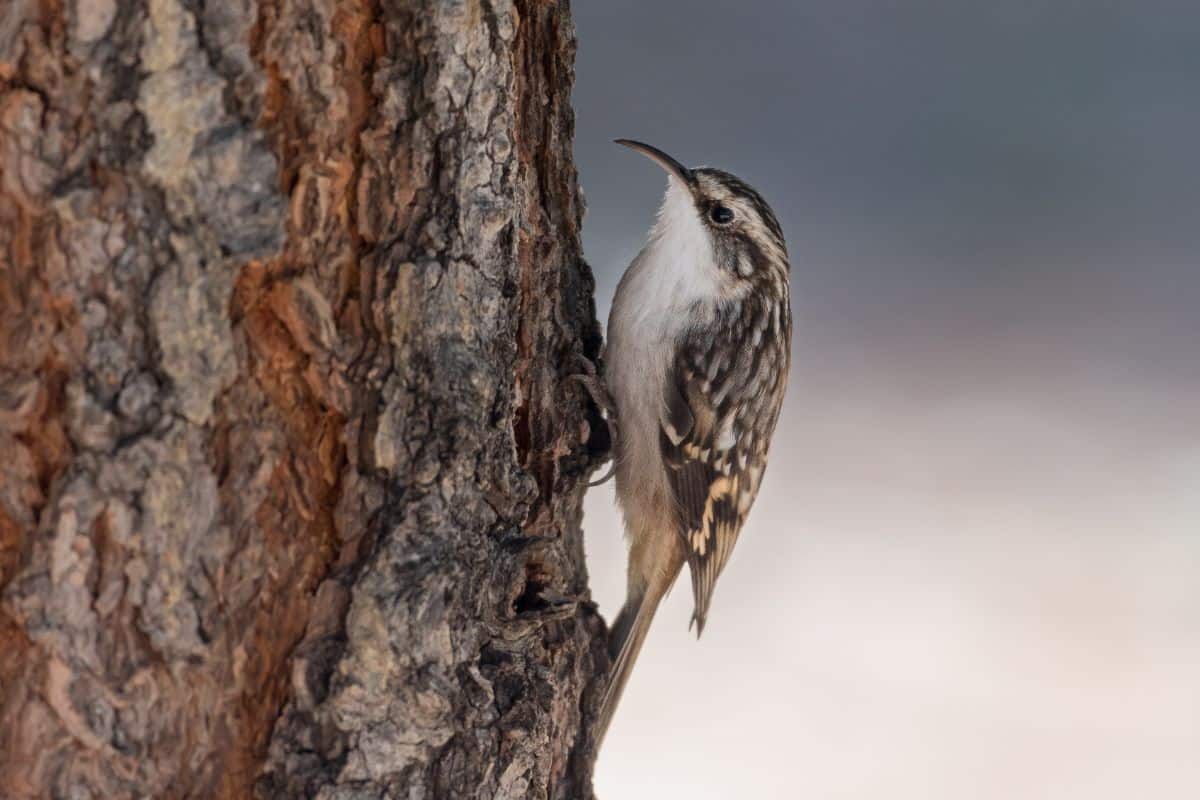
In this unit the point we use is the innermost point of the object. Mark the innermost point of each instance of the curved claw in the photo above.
(612, 470)
(586, 364)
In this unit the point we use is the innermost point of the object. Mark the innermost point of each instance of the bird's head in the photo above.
(725, 213)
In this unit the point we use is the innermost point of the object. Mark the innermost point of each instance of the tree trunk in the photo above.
(291, 470)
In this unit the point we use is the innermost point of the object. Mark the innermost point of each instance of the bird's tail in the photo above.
(628, 633)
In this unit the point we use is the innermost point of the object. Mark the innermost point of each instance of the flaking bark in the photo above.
(291, 471)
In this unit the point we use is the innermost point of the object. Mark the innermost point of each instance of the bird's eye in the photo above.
(721, 215)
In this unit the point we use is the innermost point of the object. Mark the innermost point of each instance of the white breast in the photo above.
(673, 284)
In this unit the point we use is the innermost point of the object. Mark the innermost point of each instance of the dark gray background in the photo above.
(1023, 178)
(973, 568)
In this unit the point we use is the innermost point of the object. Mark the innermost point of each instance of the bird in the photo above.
(696, 367)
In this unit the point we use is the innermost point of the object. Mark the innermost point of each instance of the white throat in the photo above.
(675, 276)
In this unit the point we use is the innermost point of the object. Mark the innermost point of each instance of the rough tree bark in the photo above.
(290, 470)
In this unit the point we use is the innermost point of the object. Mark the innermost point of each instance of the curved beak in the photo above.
(672, 166)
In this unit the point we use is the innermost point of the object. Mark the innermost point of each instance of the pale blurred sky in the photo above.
(974, 568)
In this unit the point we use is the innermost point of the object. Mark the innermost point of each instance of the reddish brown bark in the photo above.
(291, 490)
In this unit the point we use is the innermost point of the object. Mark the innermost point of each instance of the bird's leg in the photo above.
(596, 388)
(590, 379)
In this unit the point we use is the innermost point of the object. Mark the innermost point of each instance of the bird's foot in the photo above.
(597, 390)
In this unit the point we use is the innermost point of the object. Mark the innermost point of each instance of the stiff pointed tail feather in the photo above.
(628, 634)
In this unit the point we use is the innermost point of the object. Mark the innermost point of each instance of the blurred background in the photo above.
(974, 567)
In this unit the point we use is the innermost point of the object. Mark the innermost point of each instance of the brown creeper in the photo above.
(698, 353)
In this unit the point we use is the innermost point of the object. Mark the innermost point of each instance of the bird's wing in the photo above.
(720, 406)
